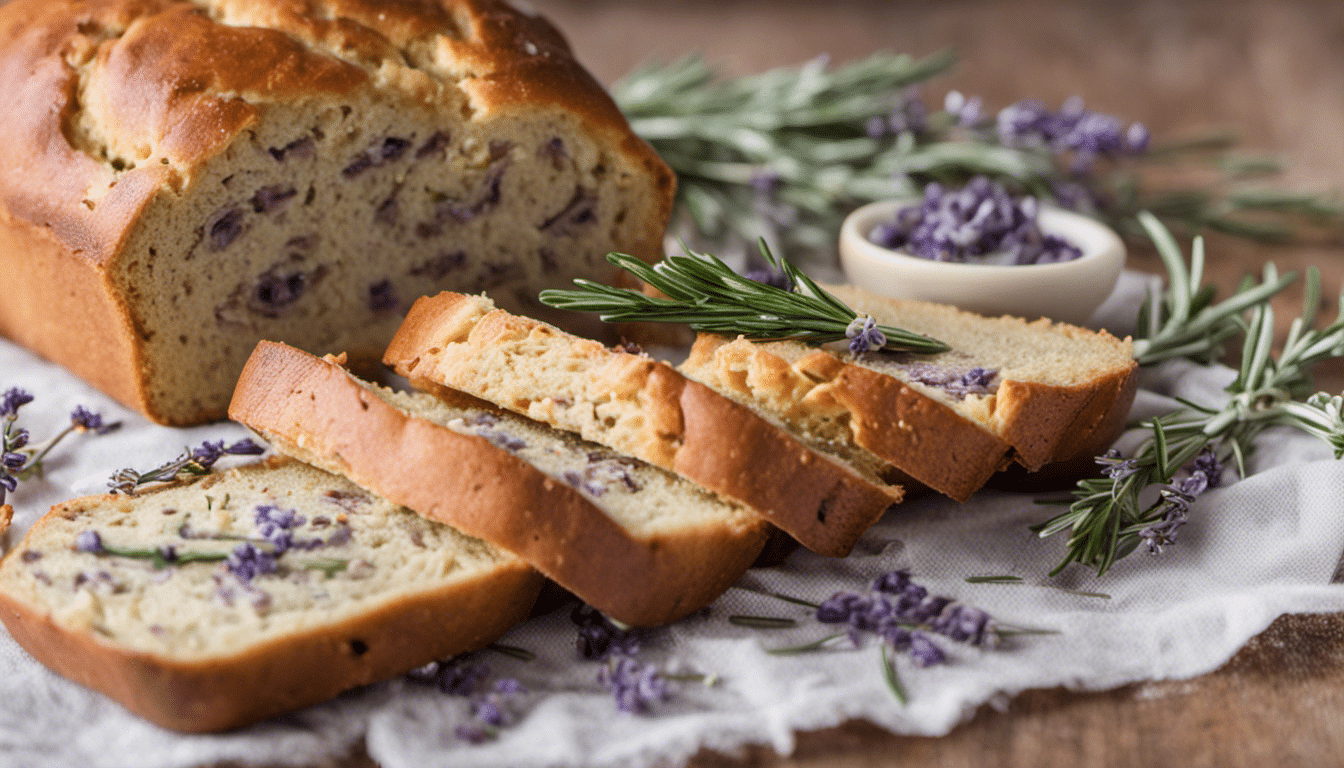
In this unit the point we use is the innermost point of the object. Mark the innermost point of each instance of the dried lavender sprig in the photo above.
(82, 421)
(21, 461)
(708, 295)
(191, 463)
(161, 557)
(1108, 521)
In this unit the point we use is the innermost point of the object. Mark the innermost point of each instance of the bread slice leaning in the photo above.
(641, 407)
(339, 589)
(638, 543)
(1038, 392)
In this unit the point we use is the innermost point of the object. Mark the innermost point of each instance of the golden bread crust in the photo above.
(312, 408)
(655, 414)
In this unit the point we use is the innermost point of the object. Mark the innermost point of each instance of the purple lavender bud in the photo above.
(245, 447)
(876, 127)
(269, 519)
(1207, 463)
(247, 562)
(864, 335)
(382, 297)
(30, 556)
(13, 399)
(893, 583)
(208, 453)
(1117, 467)
(509, 685)
(635, 686)
(13, 462)
(838, 607)
(487, 710)
(9, 483)
(225, 228)
(90, 542)
(924, 652)
(85, 420)
(461, 679)
(393, 148)
(340, 537)
(169, 553)
(271, 197)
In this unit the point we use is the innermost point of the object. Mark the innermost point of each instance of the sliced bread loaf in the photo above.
(211, 604)
(638, 543)
(641, 407)
(1041, 392)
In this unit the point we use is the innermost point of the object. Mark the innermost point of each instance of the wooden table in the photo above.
(1273, 70)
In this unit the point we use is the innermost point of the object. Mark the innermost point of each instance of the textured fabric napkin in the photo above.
(1253, 549)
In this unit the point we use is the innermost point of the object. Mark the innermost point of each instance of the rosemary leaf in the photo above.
(706, 294)
(513, 651)
(893, 679)
(815, 645)
(762, 622)
(993, 579)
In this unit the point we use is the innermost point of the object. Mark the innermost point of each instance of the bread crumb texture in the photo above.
(347, 553)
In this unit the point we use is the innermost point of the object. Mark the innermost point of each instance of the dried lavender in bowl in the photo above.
(980, 223)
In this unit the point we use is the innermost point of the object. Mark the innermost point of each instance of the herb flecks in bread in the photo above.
(215, 173)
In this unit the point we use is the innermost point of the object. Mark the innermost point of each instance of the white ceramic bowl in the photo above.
(1069, 291)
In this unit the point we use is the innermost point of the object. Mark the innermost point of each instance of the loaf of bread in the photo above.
(641, 407)
(215, 603)
(638, 543)
(179, 179)
(1037, 393)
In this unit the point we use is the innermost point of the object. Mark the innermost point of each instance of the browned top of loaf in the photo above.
(107, 102)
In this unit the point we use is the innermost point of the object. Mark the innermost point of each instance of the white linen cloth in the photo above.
(1253, 549)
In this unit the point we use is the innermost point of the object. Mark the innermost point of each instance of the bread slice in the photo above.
(366, 590)
(641, 407)
(1038, 392)
(181, 179)
(640, 544)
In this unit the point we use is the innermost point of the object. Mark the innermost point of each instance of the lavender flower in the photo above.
(210, 452)
(85, 420)
(13, 462)
(864, 335)
(248, 561)
(636, 686)
(492, 708)
(599, 638)
(1207, 464)
(1176, 498)
(900, 609)
(966, 111)
(90, 542)
(13, 399)
(1117, 467)
(1029, 124)
(979, 222)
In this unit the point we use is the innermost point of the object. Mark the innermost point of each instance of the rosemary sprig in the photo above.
(1107, 519)
(706, 294)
